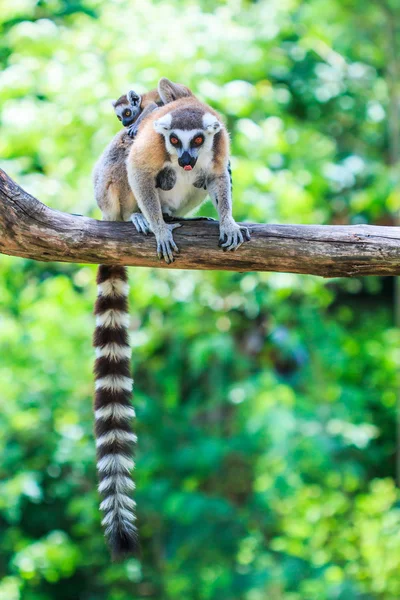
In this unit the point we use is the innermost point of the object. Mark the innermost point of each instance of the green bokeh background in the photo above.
(266, 403)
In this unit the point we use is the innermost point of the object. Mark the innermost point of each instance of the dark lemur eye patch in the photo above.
(127, 113)
(197, 141)
(174, 140)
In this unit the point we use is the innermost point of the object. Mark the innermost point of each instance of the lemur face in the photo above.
(183, 140)
(127, 108)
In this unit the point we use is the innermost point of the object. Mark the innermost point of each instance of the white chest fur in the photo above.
(184, 196)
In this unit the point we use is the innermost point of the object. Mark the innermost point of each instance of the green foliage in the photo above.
(266, 403)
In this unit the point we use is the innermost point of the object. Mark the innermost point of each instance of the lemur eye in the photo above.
(198, 140)
(119, 118)
(174, 140)
(127, 113)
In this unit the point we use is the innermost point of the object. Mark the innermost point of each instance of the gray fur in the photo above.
(134, 128)
(187, 119)
(112, 191)
(230, 233)
(201, 181)
(230, 174)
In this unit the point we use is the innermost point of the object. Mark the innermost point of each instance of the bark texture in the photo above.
(30, 229)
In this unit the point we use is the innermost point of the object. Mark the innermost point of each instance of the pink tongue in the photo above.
(187, 168)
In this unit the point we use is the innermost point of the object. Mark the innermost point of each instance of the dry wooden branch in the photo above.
(30, 229)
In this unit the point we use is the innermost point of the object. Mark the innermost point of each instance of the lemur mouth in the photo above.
(186, 161)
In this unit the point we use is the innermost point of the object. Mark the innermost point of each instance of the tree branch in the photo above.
(30, 229)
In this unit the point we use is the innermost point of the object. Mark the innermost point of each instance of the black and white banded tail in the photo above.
(113, 409)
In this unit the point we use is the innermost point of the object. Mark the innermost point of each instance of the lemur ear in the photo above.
(164, 124)
(214, 128)
(211, 124)
(134, 98)
(114, 103)
(170, 91)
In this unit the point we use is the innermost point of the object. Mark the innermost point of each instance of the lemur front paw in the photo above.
(231, 235)
(140, 222)
(132, 130)
(165, 243)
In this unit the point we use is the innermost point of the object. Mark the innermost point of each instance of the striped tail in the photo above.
(113, 409)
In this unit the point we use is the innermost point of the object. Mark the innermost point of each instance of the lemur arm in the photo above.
(143, 186)
(219, 189)
(133, 129)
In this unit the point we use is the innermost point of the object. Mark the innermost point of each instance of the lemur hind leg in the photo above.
(131, 213)
(109, 203)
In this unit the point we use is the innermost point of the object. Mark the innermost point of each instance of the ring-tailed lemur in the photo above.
(112, 191)
(181, 155)
(113, 410)
(132, 108)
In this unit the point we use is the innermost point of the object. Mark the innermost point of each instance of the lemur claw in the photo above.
(165, 243)
(231, 236)
(140, 222)
(132, 131)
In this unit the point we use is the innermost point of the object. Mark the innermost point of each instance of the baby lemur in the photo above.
(112, 191)
(131, 108)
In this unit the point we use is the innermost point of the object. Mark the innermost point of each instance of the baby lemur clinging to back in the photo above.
(112, 190)
(132, 107)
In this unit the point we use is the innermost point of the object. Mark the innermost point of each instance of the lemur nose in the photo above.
(187, 161)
